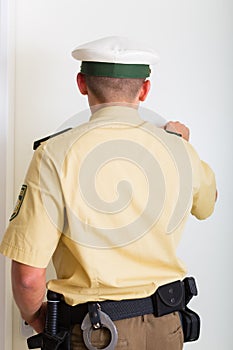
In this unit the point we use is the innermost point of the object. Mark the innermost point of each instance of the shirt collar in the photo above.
(117, 113)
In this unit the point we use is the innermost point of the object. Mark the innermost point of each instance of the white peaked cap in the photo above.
(116, 56)
(116, 49)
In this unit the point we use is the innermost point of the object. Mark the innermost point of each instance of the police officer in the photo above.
(108, 201)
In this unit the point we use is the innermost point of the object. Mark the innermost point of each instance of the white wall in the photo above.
(192, 83)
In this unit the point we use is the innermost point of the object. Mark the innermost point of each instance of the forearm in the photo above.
(29, 302)
(29, 286)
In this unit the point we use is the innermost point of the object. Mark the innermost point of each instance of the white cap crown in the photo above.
(116, 49)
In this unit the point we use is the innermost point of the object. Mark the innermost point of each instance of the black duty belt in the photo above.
(168, 298)
(116, 310)
(61, 317)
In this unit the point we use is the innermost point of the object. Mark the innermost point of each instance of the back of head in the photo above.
(115, 67)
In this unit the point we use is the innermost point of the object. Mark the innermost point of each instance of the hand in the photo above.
(178, 128)
(38, 324)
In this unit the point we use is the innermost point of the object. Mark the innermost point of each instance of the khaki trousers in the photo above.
(139, 333)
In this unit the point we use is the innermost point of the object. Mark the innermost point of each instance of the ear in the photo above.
(144, 90)
(82, 83)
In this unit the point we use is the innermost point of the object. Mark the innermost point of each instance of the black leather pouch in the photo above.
(169, 298)
(191, 324)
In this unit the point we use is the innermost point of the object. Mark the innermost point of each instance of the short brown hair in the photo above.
(108, 89)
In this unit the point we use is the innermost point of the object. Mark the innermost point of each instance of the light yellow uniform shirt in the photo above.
(108, 201)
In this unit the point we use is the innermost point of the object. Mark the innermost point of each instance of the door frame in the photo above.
(7, 103)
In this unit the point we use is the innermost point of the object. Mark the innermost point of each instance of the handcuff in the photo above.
(96, 319)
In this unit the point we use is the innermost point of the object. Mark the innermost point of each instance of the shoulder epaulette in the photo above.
(37, 143)
(173, 133)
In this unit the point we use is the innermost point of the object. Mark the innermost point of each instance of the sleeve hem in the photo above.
(32, 258)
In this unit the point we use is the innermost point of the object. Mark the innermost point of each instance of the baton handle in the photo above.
(51, 325)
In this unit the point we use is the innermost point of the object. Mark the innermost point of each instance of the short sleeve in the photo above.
(36, 224)
(204, 186)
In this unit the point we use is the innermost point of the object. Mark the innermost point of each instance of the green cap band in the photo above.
(115, 70)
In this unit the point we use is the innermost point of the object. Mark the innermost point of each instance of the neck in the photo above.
(98, 106)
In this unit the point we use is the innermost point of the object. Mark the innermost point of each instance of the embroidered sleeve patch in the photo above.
(19, 202)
